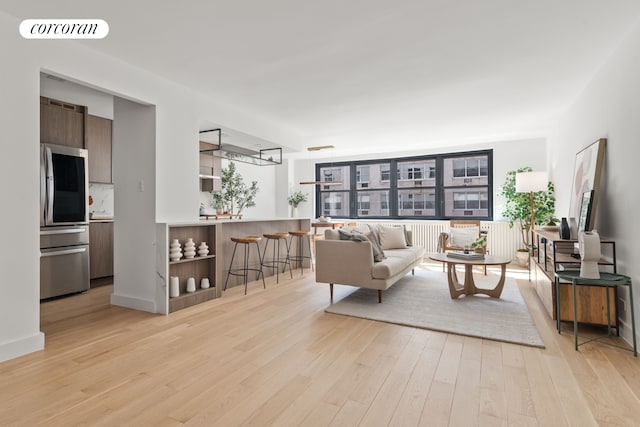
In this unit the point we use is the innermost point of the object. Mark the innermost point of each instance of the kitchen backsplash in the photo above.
(102, 196)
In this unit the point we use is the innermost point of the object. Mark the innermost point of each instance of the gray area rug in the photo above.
(423, 301)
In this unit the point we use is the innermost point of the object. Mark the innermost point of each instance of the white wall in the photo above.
(19, 186)
(507, 156)
(608, 108)
(134, 162)
(98, 103)
(175, 198)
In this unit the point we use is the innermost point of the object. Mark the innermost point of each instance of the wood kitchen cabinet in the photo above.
(101, 249)
(99, 146)
(62, 123)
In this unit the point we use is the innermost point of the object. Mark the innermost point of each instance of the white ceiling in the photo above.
(378, 74)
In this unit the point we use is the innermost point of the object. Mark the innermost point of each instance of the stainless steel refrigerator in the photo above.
(64, 220)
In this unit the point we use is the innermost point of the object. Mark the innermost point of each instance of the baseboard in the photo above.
(13, 349)
(134, 303)
(626, 332)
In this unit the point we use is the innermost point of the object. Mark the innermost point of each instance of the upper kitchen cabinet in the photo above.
(210, 167)
(62, 123)
(99, 146)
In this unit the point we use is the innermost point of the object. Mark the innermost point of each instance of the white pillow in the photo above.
(392, 238)
(462, 237)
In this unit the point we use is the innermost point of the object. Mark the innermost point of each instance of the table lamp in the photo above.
(531, 182)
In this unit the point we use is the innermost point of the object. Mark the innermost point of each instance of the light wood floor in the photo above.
(275, 358)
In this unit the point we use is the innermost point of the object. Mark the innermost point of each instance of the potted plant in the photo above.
(479, 244)
(517, 209)
(218, 202)
(294, 199)
(235, 194)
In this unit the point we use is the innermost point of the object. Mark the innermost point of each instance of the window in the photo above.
(384, 201)
(470, 167)
(385, 173)
(333, 204)
(362, 174)
(431, 187)
(413, 203)
(332, 175)
(364, 204)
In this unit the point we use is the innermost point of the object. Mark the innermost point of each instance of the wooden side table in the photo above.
(606, 280)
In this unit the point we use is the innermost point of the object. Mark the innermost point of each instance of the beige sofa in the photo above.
(347, 262)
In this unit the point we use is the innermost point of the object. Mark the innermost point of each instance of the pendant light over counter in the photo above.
(318, 148)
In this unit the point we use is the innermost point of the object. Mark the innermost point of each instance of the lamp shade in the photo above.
(531, 181)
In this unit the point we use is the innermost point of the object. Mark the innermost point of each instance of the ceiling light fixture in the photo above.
(318, 148)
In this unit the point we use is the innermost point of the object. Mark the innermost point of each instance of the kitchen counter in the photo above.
(205, 222)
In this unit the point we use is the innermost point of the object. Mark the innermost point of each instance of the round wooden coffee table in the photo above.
(469, 287)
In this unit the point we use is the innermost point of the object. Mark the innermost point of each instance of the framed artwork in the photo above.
(585, 211)
(586, 179)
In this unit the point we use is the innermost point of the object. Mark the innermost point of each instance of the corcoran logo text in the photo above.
(64, 29)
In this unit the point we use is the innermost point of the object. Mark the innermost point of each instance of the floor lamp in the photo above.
(531, 182)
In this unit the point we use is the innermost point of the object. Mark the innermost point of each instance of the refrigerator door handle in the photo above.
(63, 252)
(43, 186)
(49, 185)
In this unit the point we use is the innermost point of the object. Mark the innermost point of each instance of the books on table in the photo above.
(463, 255)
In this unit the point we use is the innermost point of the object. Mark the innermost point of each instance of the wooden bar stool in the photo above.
(276, 260)
(244, 271)
(300, 235)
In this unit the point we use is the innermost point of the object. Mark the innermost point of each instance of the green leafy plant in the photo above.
(297, 197)
(479, 243)
(517, 209)
(235, 193)
(218, 200)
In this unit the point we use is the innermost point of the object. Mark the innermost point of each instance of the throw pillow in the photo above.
(378, 253)
(462, 237)
(356, 237)
(392, 238)
(407, 238)
(374, 237)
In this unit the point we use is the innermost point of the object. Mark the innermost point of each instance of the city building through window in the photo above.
(444, 186)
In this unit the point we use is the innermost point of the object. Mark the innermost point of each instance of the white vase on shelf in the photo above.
(174, 286)
(191, 284)
(189, 249)
(175, 252)
(294, 212)
(203, 249)
(204, 283)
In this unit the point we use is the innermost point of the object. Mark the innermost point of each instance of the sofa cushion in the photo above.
(410, 253)
(388, 267)
(392, 238)
(396, 261)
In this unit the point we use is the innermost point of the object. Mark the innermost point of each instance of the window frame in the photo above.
(392, 200)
